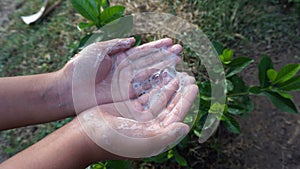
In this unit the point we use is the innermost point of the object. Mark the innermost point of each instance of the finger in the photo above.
(144, 49)
(185, 78)
(131, 109)
(146, 143)
(180, 106)
(132, 128)
(119, 45)
(142, 69)
(163, 56)
(104, 68)
(154, 78)
(154, 44)
(160, 97)
(149, 56)
(129, 138)
(107, 47)
(125, 77)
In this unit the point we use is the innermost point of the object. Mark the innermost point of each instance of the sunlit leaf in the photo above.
(111, 13)
(86, 8)
(226, 56)
(285, 95)
(170, 154)
(286, 73)
(105, 4)
(119, 28)
(272, 74)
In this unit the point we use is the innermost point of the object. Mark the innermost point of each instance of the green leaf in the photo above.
(287, 72)
(180, 160)
(119, 28)
(98, 165)
(272, 74)
(240, 105)
(226, 56)
(111, 13)
(170, 154)
(83, 41)
(231, 124)
(237, 65)
(218, 47)
(239, 85)
(87, 8)
(98, 7)
(105, 4)
(138, 40)
(291, 85)
(285, 95)
(264, 65)
(83, 25)
(204, 89)
(280, 102)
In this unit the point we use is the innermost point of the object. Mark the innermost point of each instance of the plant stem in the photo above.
(239, 94)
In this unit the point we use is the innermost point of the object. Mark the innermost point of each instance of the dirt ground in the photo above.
(270, 139)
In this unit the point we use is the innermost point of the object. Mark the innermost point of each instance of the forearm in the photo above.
(67, 147)
(33, 99)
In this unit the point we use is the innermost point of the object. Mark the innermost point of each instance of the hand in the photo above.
(112, 57)
(117, 132)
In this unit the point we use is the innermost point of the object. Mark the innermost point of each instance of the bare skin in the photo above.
(43, 98)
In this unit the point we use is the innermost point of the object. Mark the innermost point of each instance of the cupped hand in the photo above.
(91, 72)
(131, 129)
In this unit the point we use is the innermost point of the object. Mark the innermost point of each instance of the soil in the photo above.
(270, 139)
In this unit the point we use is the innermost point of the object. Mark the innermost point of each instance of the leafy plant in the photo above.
(98, 13)
(275, 85)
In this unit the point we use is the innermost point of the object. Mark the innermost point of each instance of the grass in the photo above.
(42, 47)
(47, 45)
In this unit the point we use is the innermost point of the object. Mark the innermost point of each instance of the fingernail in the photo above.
(128, 41)
(176, 48)
(184, 131)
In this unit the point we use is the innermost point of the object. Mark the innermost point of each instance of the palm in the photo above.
(131, 129)
(119, 67)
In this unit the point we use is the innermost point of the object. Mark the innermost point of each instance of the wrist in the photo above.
(63, 87)
(87, 150)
